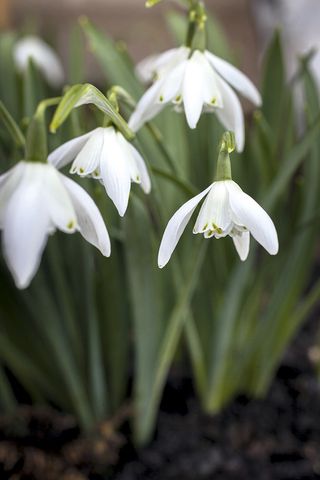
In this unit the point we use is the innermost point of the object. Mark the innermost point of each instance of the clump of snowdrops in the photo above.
(127, 166)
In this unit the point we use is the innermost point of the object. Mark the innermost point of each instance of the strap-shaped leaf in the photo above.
(11, 126)
(85, 94)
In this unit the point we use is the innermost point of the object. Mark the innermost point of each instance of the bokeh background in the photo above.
(143, 31)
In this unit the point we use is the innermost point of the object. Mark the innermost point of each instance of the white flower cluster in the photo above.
(36, 199)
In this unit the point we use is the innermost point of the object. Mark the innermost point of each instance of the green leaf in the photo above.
(12, 127)
(88, 94)
(8, 78)
(147, 298)
(273, 84)
(113, 59)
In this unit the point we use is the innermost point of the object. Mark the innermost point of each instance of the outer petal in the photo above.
(140, 166)
(236, 78)
(192, 89)
(157, 64)
(242, 244)
(91, 224)
(88, 159)
(176, 226)
(26, 226)
(249, 213)
(66, 153)
(8, 184)
(231, 115)
(147, 107)
(114, 171)
(57, 201)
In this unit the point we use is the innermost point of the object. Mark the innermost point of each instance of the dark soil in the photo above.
(277, 438)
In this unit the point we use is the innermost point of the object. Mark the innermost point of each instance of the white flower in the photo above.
(105, 154)
(42, 55)
(35, 200)
(197, 81)
(227, 210)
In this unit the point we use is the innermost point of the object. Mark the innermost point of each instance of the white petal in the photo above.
(115, 172)
(141, 167)
(242, 244)
(192, 90)
(8, 184)
(42, 55)
(57, 200)
(236, 78)
(66, 153)
(88, 159)
(210, 90)
(215, 211)
(158, 64)
(132, 166)
(231, 115)
(147, 107)
(91, 224)
(249, 213)
(176, 226)
(26, 227)
(172, 84)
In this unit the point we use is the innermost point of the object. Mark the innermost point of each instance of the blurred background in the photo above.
(129, 21)
(248, 25)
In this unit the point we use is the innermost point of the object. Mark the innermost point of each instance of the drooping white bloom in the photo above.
(35, 200)
(195, 81)
(227, 210)
(46, 59)
(106, 155)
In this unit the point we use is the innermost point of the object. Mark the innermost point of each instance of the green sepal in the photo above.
(11, 125)
(83, 94)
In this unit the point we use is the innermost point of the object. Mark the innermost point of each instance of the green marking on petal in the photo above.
(161, 98)
(71, 224)
(217, 229)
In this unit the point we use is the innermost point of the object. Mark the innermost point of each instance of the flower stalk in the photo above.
(196, 35)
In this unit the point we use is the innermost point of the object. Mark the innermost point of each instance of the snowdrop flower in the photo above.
(195, 81)
(227, 210)
(43, 56)
(106, 155)
(35, 200)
